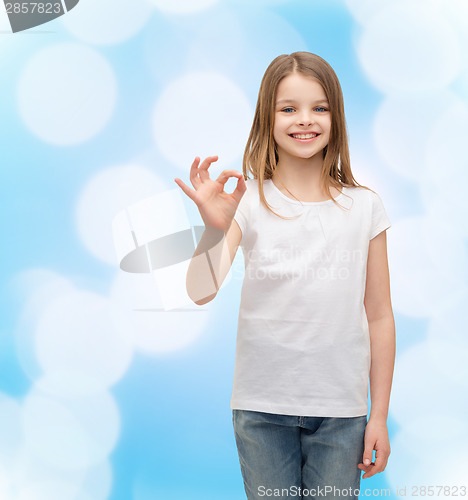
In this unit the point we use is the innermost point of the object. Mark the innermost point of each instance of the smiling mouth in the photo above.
(304, 137)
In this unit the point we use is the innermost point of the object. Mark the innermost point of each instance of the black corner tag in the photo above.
(26, 14)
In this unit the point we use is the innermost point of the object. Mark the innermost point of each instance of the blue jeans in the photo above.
(289, 456)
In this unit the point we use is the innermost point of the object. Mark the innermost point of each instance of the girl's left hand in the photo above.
(375, 438)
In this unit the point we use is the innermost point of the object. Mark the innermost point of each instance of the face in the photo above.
(301, 108)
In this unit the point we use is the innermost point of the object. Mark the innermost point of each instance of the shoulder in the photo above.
(252, 184)
(363, 195)
(364, 201)
(249, 194)
(359, 191)
(246, 204)
(252, 188)
(375, 200)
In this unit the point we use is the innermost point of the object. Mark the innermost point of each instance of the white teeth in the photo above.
(304, 136)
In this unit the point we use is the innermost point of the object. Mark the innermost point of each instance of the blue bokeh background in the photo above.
(175, 439)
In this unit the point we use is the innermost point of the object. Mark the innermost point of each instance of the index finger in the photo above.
(227, 174)
(371, 470)
(194, 179)
(380, 461)
(203, 168)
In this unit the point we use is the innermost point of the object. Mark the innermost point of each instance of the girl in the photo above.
(315, 319)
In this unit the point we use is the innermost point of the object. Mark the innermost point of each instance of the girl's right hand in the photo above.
(216, 207)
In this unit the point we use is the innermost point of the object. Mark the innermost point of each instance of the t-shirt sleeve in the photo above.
(243, 210)
(379, 220)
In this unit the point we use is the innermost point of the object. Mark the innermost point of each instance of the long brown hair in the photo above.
(261, 155)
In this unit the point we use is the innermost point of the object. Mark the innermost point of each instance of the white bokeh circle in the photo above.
(201, 45)
(409, 48)
(35, 288)
(107, 193)
(406, 127)
(258, 3)
(30, 478)
(4, 22)
(456, 12)
(363, 10)
(442, 206)
(449, 359)
(97, 484)
(216, 35)
(10, 43)
(107, 22)
(183, 6)
(38, 481)
(261, 43)
(70, 433)
(66, 93)
(203, 113)
(445, 154)
(420, 389)
(11, 433)
(442, 186)
(420, 450)
(5, 483)
(450, 323)
(428, 262)
(78, 346)
(143, 319)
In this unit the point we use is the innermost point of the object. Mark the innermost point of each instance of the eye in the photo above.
(317, 108)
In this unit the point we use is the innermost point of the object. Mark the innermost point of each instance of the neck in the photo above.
(299, 174)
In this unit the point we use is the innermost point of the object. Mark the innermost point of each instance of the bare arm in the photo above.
(218, 245)
(379, 313)
(211, 262)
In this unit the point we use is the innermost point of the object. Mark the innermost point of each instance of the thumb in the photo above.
(367, 457)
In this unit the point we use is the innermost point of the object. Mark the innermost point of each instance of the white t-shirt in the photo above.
(303, 345)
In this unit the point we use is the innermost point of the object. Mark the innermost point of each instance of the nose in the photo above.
(304, 118)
